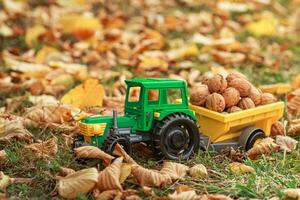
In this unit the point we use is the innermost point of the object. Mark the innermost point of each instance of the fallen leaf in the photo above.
(119, 151)
(5, 181)
(296, 82)
(43, 149)
(150, 63)
(14, 6)
(240, 168)
(214, 197)
(174, 170)
(292, 193)
(108, 195)
(286, 143)
(125, 172)
(148, 177)
(266, 146)
(13, 129)
(186, 195)
(33, 33)
(64, 171)
(266, 26)
(3, 155)
(109, 178)
(294, 129)
(93, 152)
(42, 54)
(79, 71)
(80, 182)
(198, 171)
(88, 94)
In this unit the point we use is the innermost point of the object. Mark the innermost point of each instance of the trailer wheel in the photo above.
(176, 137)
(112, 140)
(250, 136)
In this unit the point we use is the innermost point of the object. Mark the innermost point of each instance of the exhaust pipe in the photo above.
(115, 122)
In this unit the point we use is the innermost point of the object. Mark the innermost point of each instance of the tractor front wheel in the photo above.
(112, 140)
(176, 137)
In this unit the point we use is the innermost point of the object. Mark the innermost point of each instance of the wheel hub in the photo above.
(177, 139)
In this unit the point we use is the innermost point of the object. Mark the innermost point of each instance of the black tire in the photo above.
(111, 141)
(249, 136)
(176, 137)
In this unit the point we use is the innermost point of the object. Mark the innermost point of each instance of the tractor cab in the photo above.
(153, 98)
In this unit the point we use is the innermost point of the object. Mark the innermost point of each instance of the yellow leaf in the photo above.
(80, 182)
(125, 171)
(42, 54)
(198, 171)
(240, 168)
(296, 82)
(88, 94)
(266, 26)
(148, 63)
(72, 23)
(292, 193)
(33, 33)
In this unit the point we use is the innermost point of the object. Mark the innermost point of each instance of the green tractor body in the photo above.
(156, 112)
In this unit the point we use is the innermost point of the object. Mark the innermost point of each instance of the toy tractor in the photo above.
(156, 112)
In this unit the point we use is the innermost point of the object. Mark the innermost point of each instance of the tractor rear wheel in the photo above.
(250, 136)
(176, 137)
(112, 140)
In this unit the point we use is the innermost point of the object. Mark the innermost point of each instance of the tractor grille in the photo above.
(92, 129)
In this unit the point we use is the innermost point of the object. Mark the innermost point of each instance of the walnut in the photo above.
(246, 103)
(267, 98)
(217, 84)
(277, 129)
(215, 102)
(231, 96)
(234, 75)
(199, 95)
(242, 85)
(255, 95)
(205, 78)
(233, 109)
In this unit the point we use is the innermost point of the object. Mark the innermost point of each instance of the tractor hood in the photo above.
(123, 122)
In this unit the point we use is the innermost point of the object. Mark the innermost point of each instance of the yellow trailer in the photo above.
(244, 128)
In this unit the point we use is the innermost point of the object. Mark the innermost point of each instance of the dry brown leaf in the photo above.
(186, 195)
(240, 168)
(294, 129)
(43, 149)
(80, 182)
(3, 155)
(214, 197)
(5, 181)
(174, 170)
(125, 172)
(296, 82)
(148, 177)
(286, 143)
(88, 94)
(109, 178)
(119, 151)
(292, 193)
(46, 114)
(108, 195)
(64, 171)
(198, 171)
(93, 152)
(14, 128)
(266, 146)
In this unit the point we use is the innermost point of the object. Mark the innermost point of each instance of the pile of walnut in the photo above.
(229, 94)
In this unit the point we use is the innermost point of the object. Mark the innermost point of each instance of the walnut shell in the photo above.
(205, 78)
(277, 129)
(231, 97)
(242, 85)
(255, 95)
(217, 84)
(234, 109)
(246, 103)
(215, 102)
(234, 75)
(199, 95)
(267, 98)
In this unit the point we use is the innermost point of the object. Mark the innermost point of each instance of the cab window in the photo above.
(134, 94)
(174, 96)
(153, 97)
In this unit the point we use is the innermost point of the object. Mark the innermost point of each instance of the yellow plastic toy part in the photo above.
(221, 127)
